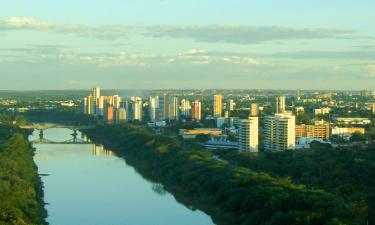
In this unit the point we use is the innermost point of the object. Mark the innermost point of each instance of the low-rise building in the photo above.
(191, 134)
(313, 131)
(352, 121)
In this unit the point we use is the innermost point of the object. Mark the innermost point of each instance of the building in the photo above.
(313, 131)
(153, 108)
(122, 115)
(191, 134)
(322, 111)
(280, 133)
(305, 142)
(166, 106)
(220, 121)
(116, 101)
(347, 130)
(230, 105)
(100, 106)
(196, 109)
(248, 134)
(254, 111)
(85, 105)
(373, 108)
(137, 109)
(218, 106)
(96, 92)
(161, 110)
(352, 121)
(185, 108)
(174, 112)
(299, 110)
(280, 104)
(109, 114)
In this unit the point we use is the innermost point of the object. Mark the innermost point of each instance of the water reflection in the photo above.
(98, 150)
(89, 185)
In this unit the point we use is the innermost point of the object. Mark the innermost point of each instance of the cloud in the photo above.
(239, 34)
(234, 34)
(101, 32)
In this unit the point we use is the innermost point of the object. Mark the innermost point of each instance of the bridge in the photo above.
(50, 126)
(42, 127)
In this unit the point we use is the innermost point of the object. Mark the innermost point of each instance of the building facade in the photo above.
(280, 132)
(248, 137)
(218, 106)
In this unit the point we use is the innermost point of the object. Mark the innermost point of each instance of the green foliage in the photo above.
(20, 187)
(232, 194)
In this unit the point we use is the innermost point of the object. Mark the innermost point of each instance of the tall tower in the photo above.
(153, 108)
(174, 108)
(218, 105)
(166, 107)
(280, 104)
(248, 134)
(230, 105)
(280, 132)
(185, 107)
(137, 109)
(373, 108)
(116, 101)
(96, 92)
(254, 109)
(196, 109)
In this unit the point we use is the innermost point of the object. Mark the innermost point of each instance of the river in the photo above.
(88, 185)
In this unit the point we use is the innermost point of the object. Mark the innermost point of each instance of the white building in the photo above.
(280, 104)
(280, 132)
(174, 112)
(137, 110)
(153, 108)
(185, 108)
(322, 111)
(248, 134)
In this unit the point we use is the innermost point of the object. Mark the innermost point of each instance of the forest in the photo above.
(228, 191)
(21, 195)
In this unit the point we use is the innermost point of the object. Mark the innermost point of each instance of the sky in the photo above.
(176, 44)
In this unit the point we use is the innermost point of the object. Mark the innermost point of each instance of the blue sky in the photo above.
(187, 44)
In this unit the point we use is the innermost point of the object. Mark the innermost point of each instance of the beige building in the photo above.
(254, 111)
(313, 131)
(196, 109)
(280, 104)
(280, 132)
(248, 134)
(218, 106)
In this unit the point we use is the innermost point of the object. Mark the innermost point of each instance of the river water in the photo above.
(88, 185)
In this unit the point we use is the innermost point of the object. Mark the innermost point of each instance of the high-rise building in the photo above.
(280, 104)
(90, 105)
(166, 107)
(230, 105)
(185, 108)
(100, 106)
(174, 108)
(254, 109)
(122, 114)
(116, 101)
(373, 108)
(248, 134)
(153, 108)
(96, 92)
(196, 109)
(280, 132)
(85, 105)
(109, 114)
(218, 105)
(137, 110)
(160, 112)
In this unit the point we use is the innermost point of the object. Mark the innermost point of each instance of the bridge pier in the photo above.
(41, 134)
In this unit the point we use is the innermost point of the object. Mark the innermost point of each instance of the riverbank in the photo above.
(230, 194)
(21, 193)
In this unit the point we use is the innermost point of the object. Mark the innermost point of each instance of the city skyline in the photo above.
(179, 45)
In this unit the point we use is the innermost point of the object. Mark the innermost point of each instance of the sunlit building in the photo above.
(174, 113)
(196, 109)
(313, 131)
(280, 104)
(248, 139)
(254, 109)
(280, 132)
(218, 105)
(153, 108)
(230, 105)
(185, 108)
(137, 109)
